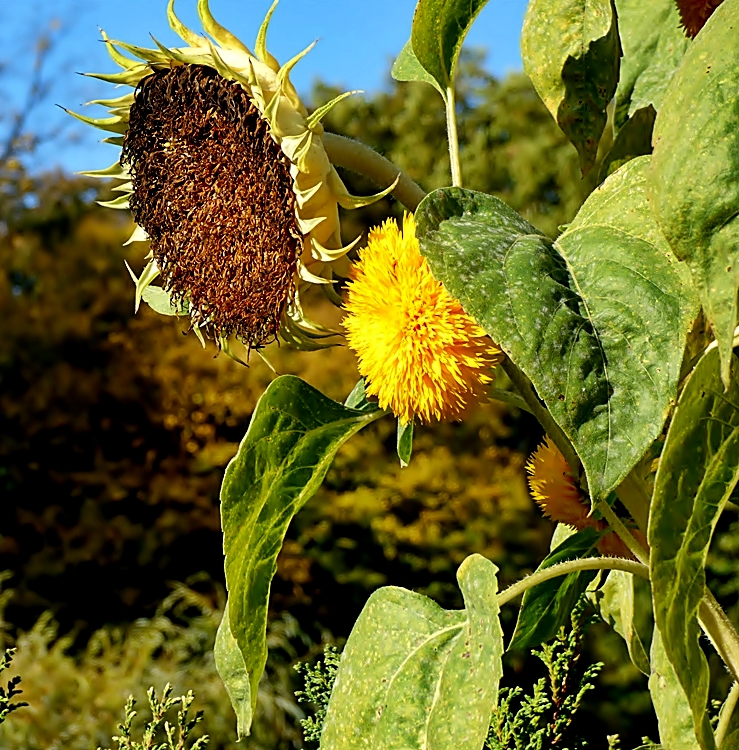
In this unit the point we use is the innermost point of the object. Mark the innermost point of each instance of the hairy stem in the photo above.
(633, 494)
(344, 152)
(727, 710)
(720, 631)
(625, 535)
(536, 407)
(453, 137)
(571, 566)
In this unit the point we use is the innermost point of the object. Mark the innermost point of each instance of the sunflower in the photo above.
(695, 13)
(225, 173)
(556, 492)
(420, 353)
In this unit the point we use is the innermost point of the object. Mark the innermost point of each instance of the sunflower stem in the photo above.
(539, 410)
(624, 534)
(453, 136)
(720, 631)
(727, 711)
(571, 566)
(344, 152)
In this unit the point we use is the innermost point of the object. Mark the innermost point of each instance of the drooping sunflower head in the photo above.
(420, 353)
(226, 175)
(554, 488)
(695, 13)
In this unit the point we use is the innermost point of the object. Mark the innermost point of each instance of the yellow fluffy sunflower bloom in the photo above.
(225, 173)
(419, 352)
(556, 492)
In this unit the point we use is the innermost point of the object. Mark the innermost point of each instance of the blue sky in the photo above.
(355, 49)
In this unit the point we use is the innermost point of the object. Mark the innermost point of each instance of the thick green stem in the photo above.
(571, 566)
(633, 494)
(727, 710)
(720, 631)
(625, 535)
(453, 137)
(344, 152)
(537, 408)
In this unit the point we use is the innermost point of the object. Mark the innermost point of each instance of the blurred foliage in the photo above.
(76, 692)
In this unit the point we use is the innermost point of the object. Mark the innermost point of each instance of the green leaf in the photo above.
(294, 434)
(405, 442)
(653, 45)
(414, 676)
(571, 53)
(634, 139)
(694, 180)
(232, 670)
(597, 321)
(697, 472)
(439, 29)
(615, 600)
(407, 68)
(546, 606)
(675, 722)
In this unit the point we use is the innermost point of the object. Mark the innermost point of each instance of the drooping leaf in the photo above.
(615, 600)
(653, 45)
(676, 731)
(571, 53)
(597, 320)
(634, 139)
(546, 606)
(407, 68)
(414, 676)
(405, 442)
(294, 434)
(234, 674)
(694, 180)
(439, 29)
(697, 472)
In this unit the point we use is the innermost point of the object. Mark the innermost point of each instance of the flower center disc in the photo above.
(214, 193)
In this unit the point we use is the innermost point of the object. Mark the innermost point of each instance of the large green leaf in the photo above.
(697, 472)
(547, 606)
(694, 180)
(439, 29)
(674, 718)
(597, 320)
(571, 53)
(294, 434)
(615, 600)
(414, 676)
(653, 45)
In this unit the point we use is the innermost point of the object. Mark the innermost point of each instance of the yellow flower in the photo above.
(226, 175)
(419, 352)
(554, 488)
